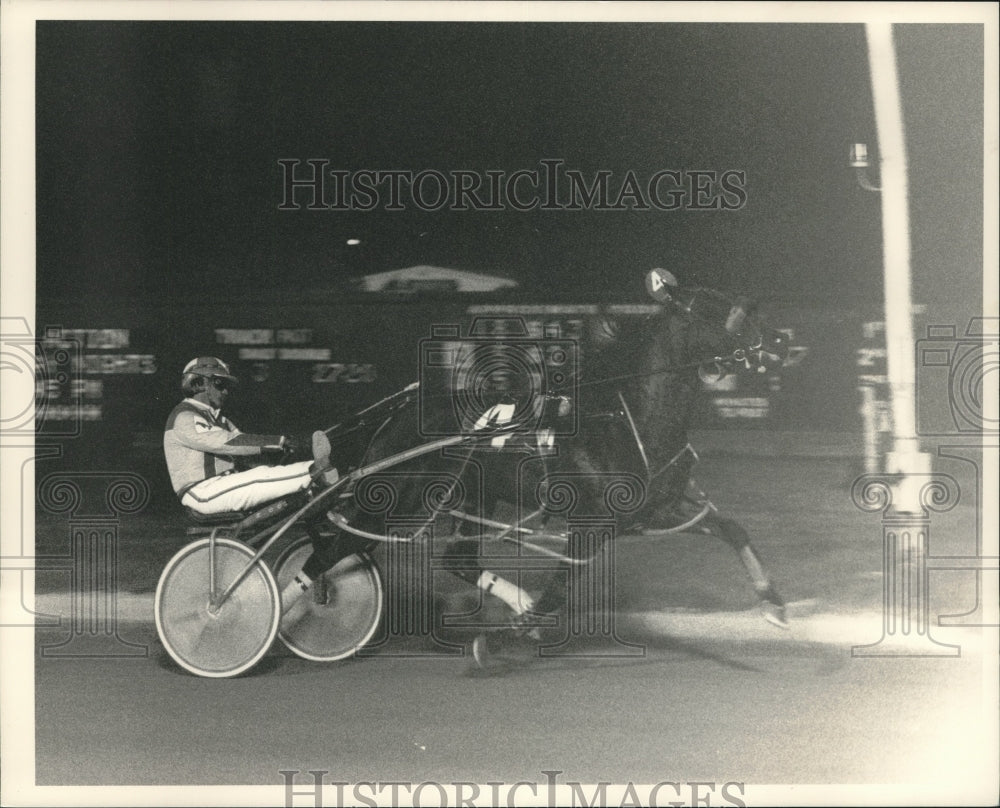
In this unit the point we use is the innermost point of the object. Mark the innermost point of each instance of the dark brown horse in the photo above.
(645, 414)
(497, 482)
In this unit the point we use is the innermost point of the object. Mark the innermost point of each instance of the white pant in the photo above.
(245, 490)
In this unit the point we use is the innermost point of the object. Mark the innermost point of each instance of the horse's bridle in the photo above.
(755, 346)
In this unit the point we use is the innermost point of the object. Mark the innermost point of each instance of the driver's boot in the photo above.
(323, 472)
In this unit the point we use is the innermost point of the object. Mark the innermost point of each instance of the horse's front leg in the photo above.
(771, 603)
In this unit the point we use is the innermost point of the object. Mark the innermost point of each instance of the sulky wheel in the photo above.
(335, 617)
(233, 636)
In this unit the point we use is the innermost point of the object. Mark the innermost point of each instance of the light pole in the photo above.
(908, 491)
(905, 459)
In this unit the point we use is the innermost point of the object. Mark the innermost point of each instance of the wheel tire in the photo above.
(231, 640)
(347, 621)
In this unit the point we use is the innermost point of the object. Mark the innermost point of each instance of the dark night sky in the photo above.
(157, 150)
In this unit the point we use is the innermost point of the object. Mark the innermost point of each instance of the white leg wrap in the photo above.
(511, 594)
(293, 590)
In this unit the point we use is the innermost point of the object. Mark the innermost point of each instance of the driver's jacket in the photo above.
(197, 445)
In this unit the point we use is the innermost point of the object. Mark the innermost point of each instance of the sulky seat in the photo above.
(238, 521)
(214, 519)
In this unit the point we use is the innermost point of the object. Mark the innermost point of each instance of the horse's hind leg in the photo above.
(771, 603)
(327, 552)
(461, 558)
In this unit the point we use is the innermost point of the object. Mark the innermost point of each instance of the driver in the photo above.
(202, 448)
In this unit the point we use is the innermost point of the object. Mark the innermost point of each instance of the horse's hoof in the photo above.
(481, 653)
(502, 649)
(321, 591)
(774, 614)
(488, 654)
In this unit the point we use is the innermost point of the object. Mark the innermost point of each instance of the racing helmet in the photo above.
(661, 284)
(204, 367)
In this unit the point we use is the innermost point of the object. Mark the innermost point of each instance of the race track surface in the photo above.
(697, 686)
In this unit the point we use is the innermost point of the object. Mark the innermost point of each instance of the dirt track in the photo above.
(712, 693)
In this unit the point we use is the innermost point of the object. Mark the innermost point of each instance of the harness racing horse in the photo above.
(452, 495)
(633, 426)
(700, 335)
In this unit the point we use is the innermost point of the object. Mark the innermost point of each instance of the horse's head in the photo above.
(733, 336)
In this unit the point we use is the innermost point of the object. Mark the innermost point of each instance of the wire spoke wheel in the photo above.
(337, 615)
(231, 637)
